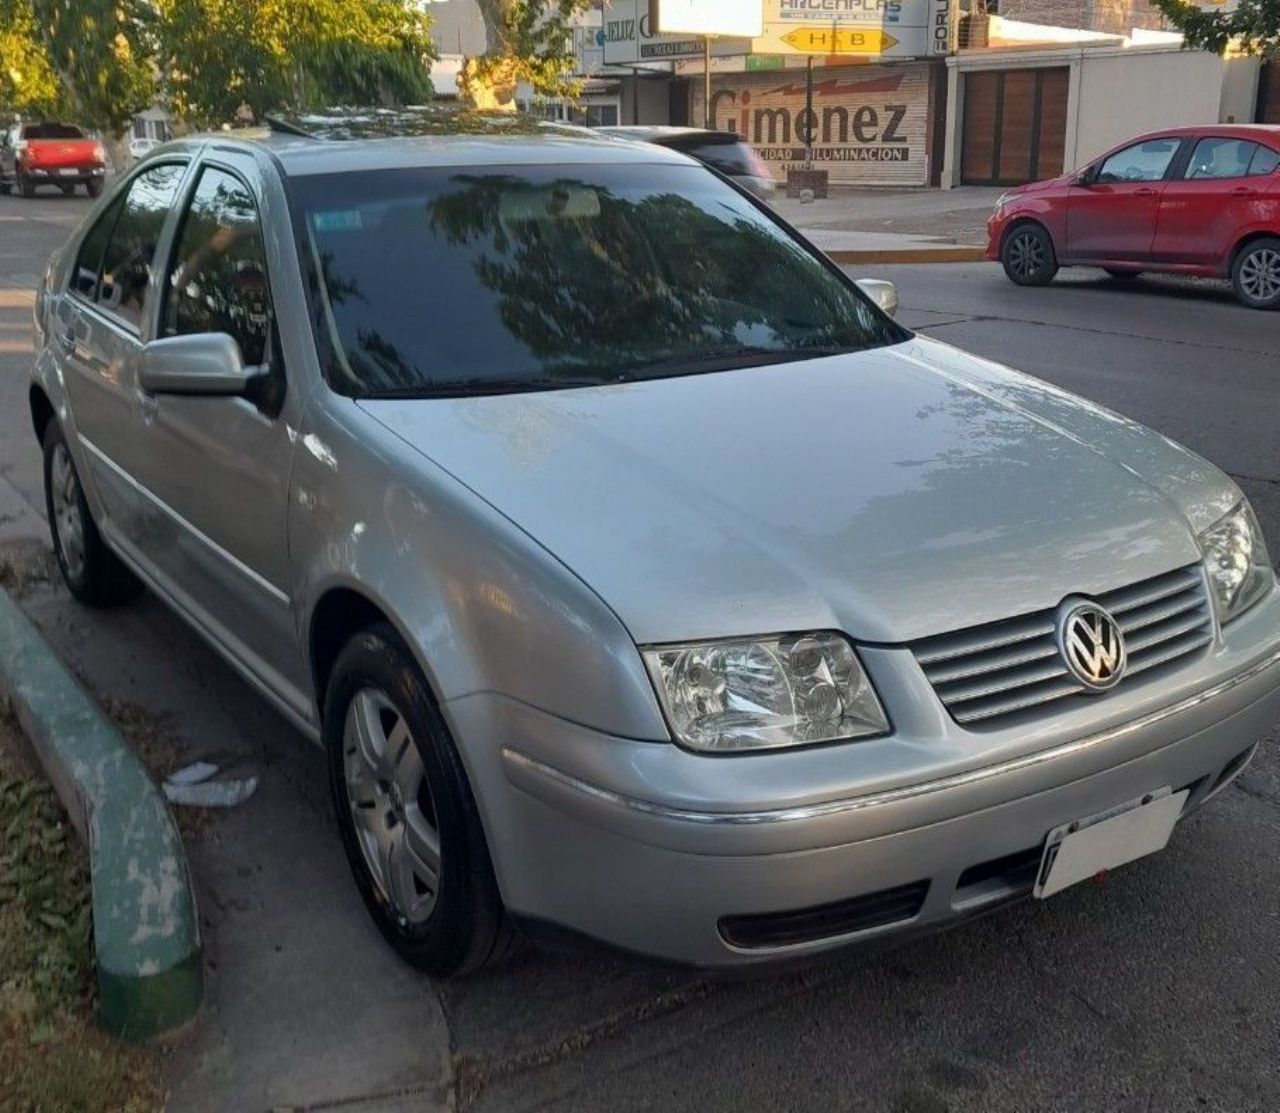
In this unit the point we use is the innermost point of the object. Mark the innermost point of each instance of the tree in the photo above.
(1253, 26)
(221, 57)
(90, 59)
(526, 40)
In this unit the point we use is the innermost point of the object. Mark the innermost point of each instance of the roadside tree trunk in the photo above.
(489, 83)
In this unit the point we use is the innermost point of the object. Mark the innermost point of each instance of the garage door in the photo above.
(1269, 94)
(1015, 125)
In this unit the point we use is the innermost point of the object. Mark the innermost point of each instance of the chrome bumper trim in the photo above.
(894, 795)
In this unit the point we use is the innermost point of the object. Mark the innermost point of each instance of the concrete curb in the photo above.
(146, 934)
(887, 256)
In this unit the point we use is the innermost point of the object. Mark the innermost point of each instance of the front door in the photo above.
(1113, 217)
(98, 332)
(216, 469)
(1223, 189)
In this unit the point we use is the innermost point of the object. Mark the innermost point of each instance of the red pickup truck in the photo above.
(33, 155)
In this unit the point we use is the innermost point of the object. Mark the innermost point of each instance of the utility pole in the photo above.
(706, 82)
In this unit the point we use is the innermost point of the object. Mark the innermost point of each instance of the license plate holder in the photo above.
(1077, 851)
(68, 171)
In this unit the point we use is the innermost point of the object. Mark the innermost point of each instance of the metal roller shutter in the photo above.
(871, 122)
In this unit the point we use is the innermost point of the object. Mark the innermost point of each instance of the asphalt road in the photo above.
(1154, 991)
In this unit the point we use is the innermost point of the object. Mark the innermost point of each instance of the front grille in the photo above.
(987, 672)
(823, 921)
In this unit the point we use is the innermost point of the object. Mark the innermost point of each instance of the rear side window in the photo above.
(1221, 158)
(729, 156)
(131, 250)
(88, 269)
(1265, 161)
(218, 279)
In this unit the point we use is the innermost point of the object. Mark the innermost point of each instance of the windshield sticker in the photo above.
(337, 220)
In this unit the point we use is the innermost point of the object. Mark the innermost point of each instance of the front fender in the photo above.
(481, 603)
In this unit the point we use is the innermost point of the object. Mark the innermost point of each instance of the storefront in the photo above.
(869, 124)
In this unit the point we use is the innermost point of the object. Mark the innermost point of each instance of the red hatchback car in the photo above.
(1196, 200)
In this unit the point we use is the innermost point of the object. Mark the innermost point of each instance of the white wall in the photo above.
(1239, 90)
(1125, 94)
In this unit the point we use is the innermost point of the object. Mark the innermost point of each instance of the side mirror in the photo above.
(206, 363)
(1085, 177)
(883, 294)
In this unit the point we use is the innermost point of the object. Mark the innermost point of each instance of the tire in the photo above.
(26, 186)
(68, 189)
(1028, 256)
(408, 819)
(92, 572)
(1255, 274)
(93, 187)
(1121, 275)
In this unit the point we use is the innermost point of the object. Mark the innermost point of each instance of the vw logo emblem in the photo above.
(1092, 646)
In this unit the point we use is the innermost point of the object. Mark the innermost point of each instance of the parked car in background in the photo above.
(724, 151)
(643, 581)
(141, 146)
(53, 154)
(1197, 200)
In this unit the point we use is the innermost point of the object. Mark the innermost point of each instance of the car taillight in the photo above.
(99, 153)
(20, 149)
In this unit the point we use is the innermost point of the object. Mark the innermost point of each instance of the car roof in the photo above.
(336, 141)
(1259, 133)
(655, 133)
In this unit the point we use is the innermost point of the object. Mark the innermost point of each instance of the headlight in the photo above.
(764, 693)
(1235, 557)
(1002, 201)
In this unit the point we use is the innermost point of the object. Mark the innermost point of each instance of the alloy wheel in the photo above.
(1026, 254)
(1260, 274)
(391, 805)
(68, 515)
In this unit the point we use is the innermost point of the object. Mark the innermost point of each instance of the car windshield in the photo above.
(446, 281)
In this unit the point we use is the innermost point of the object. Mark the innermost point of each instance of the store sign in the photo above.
(740, 18)
(882, 28)
(868, 124)
(630, 38)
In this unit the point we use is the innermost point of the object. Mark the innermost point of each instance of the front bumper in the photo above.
(651, 849)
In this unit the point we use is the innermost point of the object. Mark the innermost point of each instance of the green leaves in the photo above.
(1252, 27)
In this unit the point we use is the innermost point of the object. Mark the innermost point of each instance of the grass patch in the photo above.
(52, 1057)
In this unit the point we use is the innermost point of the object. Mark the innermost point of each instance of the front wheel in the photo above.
(92, 572)
(408, 819)
(93, 187)
(1028, 256)
(26, 186)
(1255, 275)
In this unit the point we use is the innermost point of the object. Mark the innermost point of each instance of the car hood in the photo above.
(892, 494)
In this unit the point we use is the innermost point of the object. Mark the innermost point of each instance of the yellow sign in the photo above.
(839, 40)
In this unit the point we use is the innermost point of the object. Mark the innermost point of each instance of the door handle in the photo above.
(1147, 192)
(68, 342)
(1243, 191)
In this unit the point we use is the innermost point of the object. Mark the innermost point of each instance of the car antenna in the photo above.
(285, 127)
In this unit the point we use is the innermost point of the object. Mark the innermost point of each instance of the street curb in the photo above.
(886, 256)
(146, 936)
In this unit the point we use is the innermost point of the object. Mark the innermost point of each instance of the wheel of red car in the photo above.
(94, 187)
(1028, 256)
(26, 186)
(1255, 275)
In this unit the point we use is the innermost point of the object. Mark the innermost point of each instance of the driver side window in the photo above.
(1143, 162)
(218, 279)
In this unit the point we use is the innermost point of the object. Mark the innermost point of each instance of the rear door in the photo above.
(1221, 192)
(216, 469)
(1113, 218)
(98, 332)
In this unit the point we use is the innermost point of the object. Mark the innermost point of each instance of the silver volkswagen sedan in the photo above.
(643, 581)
